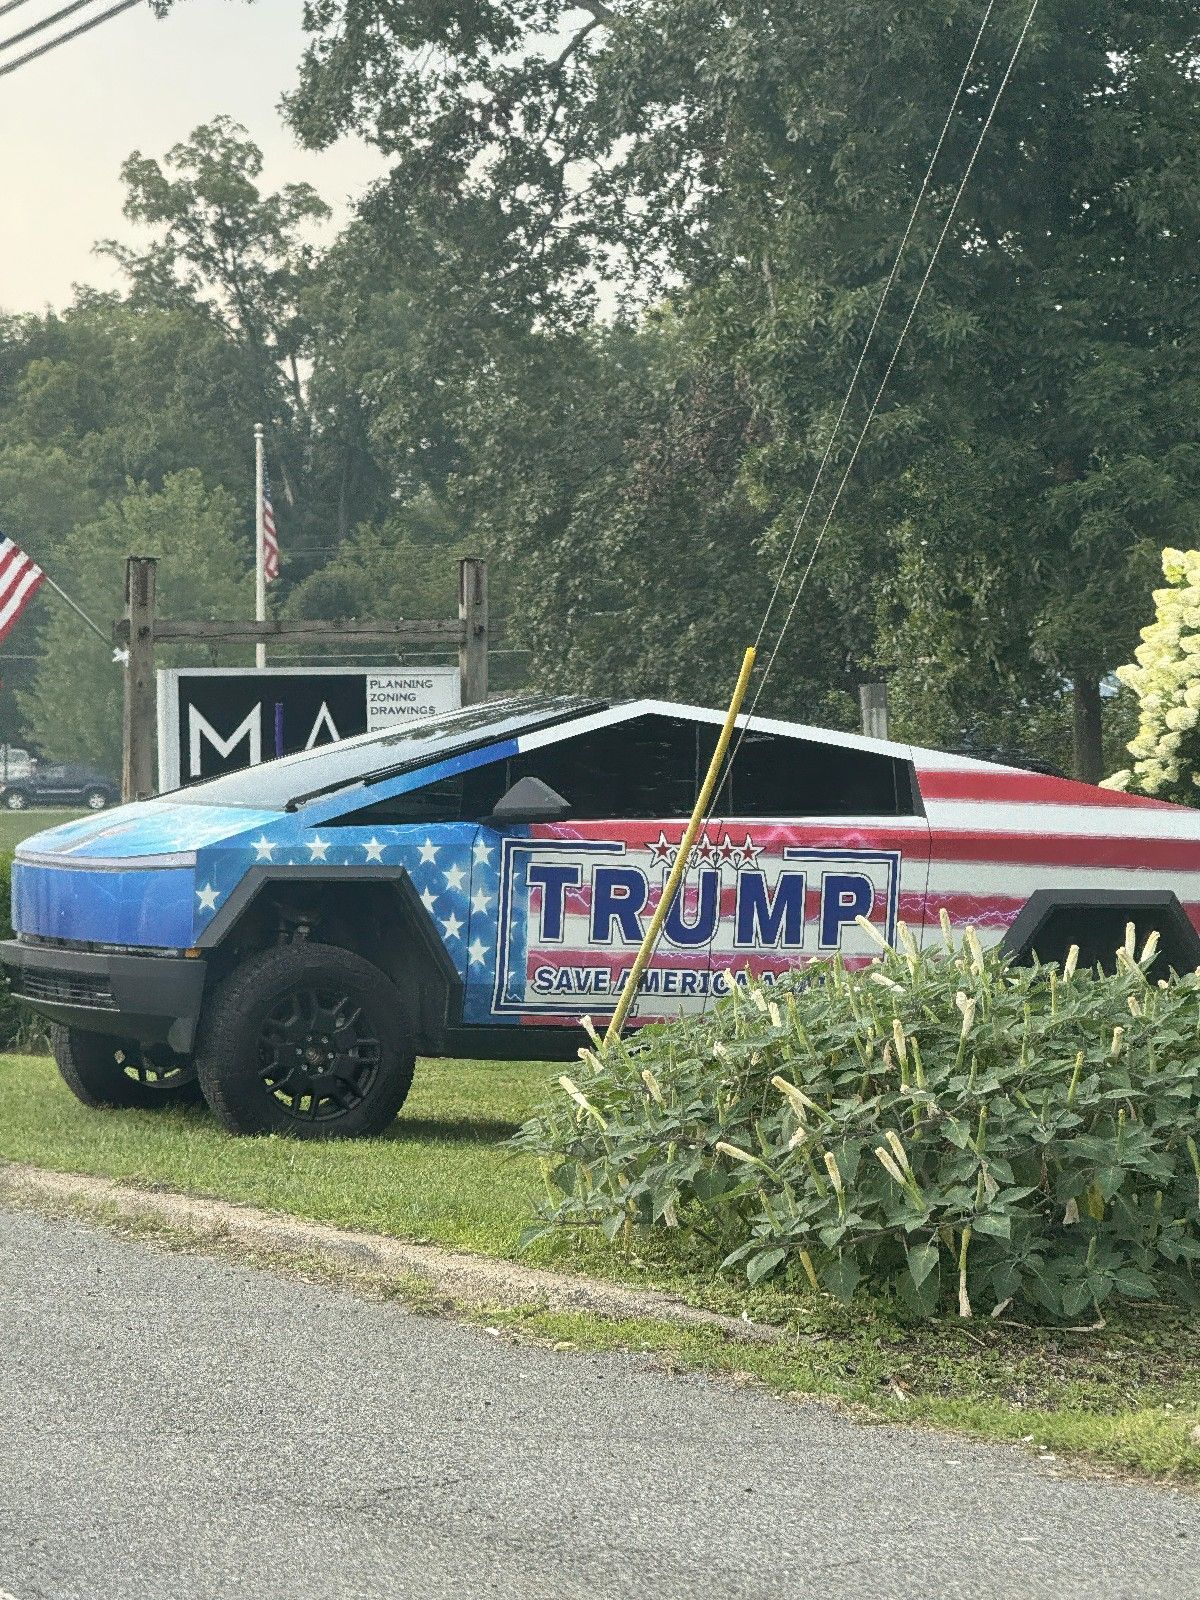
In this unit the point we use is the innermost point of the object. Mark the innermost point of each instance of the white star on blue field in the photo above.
(453, 869)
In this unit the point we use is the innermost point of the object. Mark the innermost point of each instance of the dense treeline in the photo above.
(598, 320)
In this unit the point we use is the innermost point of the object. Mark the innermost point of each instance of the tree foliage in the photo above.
(75, 700)
(599, 316)
(757, 164)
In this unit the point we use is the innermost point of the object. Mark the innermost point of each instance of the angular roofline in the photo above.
(623, 710)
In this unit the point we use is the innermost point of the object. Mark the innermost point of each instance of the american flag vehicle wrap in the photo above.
(535, 923)
(999, 835)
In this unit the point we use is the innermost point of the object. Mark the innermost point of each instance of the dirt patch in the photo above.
(465, 1279)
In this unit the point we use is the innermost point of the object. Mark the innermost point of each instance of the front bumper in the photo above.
(152, 999)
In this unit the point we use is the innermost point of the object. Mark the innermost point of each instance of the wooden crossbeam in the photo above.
(140, 630)
(446, 635)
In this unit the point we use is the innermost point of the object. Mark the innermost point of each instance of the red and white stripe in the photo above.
(998, 834)
(20, 580)
(990, 837)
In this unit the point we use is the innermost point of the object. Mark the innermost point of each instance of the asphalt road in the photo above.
(184, 1428)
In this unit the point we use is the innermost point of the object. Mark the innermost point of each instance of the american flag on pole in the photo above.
(270, 537)
(20, 580)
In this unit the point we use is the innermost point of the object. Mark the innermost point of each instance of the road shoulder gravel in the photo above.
(468, 1281)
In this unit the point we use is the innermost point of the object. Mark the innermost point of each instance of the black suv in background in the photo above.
(60, 784)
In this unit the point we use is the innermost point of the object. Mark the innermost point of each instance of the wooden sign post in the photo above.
(140, 630)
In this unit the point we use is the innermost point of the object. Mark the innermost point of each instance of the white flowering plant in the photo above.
(1165, 676)
(940, 1126)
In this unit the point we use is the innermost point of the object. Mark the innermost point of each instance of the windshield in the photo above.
(276, 785)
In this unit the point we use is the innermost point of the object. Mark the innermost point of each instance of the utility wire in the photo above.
(745, 721)
(887, 289)
(11, 5)
(62, 38)
(44, 23)
(983, 133)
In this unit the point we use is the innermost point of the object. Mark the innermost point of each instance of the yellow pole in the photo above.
(671, 887)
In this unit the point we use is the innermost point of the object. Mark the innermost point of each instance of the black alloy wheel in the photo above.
(308, 1040)
(104, 1071)
(318, 1053)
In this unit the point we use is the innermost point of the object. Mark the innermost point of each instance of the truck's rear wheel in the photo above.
(103, 1071)
(305, 1039)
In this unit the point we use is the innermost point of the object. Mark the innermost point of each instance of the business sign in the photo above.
(213, 720)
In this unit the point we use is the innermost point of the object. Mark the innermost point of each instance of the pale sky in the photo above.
(68, 120)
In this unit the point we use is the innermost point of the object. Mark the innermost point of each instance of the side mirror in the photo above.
(530, 800)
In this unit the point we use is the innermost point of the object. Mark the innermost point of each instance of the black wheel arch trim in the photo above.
(260, 879)
(1165, 903)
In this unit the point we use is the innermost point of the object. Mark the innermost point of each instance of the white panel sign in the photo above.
(219, 719)
(407, 693)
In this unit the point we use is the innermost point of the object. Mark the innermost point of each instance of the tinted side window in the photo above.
(653, 766)
(465, 797)
(647, 767)
(775, 776)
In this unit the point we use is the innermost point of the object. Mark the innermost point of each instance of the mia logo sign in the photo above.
(573, 912)
(220, 719)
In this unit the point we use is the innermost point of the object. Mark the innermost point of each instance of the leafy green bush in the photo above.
(941, 1125)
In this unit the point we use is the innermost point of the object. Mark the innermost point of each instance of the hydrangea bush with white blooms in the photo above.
(939, 1125)
(1166, 680)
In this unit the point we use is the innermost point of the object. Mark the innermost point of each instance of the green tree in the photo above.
(758, 162)
(238, 254)
(74, 703)
(128, 390)
(245, 263)
(404, 568)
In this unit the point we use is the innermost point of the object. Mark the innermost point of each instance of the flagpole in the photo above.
(78, 610)
(260, 547)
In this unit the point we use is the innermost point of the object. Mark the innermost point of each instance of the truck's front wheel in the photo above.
(103, 1071)
(305, 1039)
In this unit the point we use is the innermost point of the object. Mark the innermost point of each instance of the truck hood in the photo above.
(150, 828)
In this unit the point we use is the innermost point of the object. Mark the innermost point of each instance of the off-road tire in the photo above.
(104, 1071)
(263, 1029)
(96, 800)
(16, 800)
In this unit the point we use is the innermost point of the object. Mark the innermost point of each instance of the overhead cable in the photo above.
(883, 298)
(950, 215)
(61, 38)
(44, 23)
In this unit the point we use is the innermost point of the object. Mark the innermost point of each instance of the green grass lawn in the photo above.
(18, 825)
(441, 1174)
(1127, 1395)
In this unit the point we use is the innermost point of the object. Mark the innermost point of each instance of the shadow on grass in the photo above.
(446, 1130)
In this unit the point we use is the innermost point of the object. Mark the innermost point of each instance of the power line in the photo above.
(970, 167)
(61, 38)
(745, 721)
(44, 23)
(11, 5)
(883, 298)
